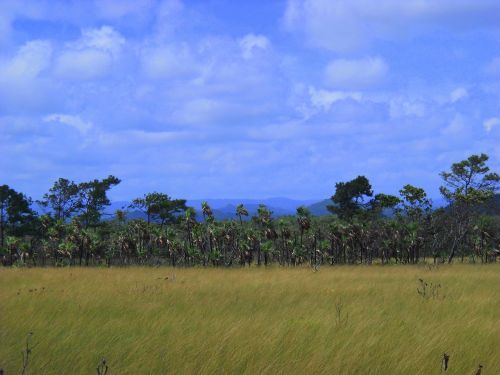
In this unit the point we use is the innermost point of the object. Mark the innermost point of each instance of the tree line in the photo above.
(363, 228)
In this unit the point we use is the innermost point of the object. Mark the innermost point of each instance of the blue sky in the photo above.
(246, 99)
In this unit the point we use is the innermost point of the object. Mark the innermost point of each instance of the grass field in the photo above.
(340, 320)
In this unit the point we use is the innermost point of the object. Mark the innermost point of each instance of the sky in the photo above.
(254, 99)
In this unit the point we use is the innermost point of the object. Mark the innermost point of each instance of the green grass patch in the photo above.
(251, 321)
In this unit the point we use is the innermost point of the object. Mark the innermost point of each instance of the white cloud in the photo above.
(458, 94)
(456, 127)
(91, 56)
(490, 123)
(251, 42)
(73, 121)
(83, 65)
(351, 73)
(167, 61)
(183, 84)
(25, 83)
(346, 26)
(403, 107)
(201, 111)
(31, 59)
(104, 38)
(324, 99)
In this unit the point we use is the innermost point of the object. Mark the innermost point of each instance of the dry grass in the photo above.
(252, 321)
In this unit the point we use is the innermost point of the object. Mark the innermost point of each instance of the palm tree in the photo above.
(66, 249)
(121, 217)
(241, 211)
(76, 236)
(207, 211)
(263, 216)
(304, 220)
(190, 220)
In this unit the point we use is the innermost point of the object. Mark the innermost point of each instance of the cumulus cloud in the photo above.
(400, 107)
(70, 120)
(456, 127)
(354, 73)
(168, 61)
(91, 56)
(251, 42)
(24, 78)
(104, 39)
(183, 83)
(324, 99)
(490, 123)
(346, 26)
(30, 60)
(199, 111)
(83, 65)
(458, 94)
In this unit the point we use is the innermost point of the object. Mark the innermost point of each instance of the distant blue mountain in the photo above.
(225, 208)
(319, 208)
(282, 203)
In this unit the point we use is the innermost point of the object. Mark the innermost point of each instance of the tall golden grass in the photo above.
(339, 320)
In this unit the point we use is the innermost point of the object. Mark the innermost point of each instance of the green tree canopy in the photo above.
(15, 212)
(159, 207)
(349, 197)
(415, 201)
(470, 181)
(380, 202)
(93, 198)
(63, 199)
(468, 184)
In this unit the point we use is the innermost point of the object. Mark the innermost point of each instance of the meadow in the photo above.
(337, 320)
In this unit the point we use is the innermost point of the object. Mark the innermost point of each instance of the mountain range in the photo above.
(226, 208)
